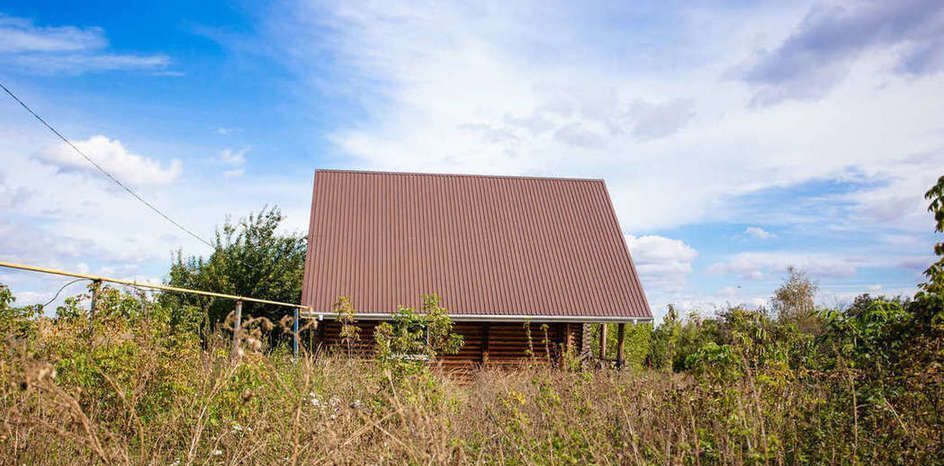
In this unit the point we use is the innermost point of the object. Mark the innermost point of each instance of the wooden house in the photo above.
(523, 264)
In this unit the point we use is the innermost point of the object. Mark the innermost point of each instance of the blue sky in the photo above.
(736, 138)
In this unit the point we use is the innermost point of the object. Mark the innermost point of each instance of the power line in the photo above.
(60, 291)
(105, 172)
(152, 286)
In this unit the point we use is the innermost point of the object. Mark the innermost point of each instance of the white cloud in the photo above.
(18, 35)
(484, 89)
(22, 242)
(224, 131)
(26, 298)
(75, 220)
(722, 299)
(760, 265)
(65, 49)
(653, 109)
(823, 47)
(77, 64)
(759, 233)
(234, 158)
(11, 195)
(664, 264)
(655, 121)
(112, 155)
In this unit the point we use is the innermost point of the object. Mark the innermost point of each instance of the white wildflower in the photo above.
(216, 452)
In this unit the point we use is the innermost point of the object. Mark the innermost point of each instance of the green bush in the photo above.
(410, 340)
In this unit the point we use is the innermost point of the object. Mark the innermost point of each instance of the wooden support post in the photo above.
(95, 286)
(312, 337)
(92, 305)
(295, 334)
(237, 327)
(568, 331)
(602, 341)
(620, 337)
(486, 329)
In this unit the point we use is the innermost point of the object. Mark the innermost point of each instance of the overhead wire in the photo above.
(111, 177)
(104, 172)
(43, 307)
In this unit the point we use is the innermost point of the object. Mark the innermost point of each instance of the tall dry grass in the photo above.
(139, 392)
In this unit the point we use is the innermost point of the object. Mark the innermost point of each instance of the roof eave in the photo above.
(493, 318)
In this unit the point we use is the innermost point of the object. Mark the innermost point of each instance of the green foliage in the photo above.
(793, 301)
(636, 343)
(664, 343)
(252, 258)
(16, 322)
(412, 339)
(935, 273)
(753, 389)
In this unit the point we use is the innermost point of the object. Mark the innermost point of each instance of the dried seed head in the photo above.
(310, 323)
(38, 372)
(254, 344)
(230, 320)
(286, 324)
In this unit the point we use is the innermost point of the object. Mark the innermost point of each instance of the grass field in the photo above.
(146, 390)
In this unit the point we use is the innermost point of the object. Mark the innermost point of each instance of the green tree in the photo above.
(663, 344)
(935, 273)
(636, 343)
(794, 300)
(16, 322)
(252, 258)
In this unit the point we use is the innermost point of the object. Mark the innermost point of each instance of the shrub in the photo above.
(407, 343)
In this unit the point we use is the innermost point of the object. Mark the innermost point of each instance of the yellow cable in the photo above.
(32, 268)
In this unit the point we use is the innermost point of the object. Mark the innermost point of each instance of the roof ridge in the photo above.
(456, 175)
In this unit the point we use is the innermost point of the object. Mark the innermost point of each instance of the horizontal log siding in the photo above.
(502, 344)
(329, 338)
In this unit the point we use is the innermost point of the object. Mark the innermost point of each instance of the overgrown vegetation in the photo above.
(750, 389)
(794, 385)
(410, 340)
(252, 258)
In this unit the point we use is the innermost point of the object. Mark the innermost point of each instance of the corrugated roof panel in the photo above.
(489, 245)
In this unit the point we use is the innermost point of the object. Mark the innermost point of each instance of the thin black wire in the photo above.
(109, 175)
(105, 172)
(43, 307)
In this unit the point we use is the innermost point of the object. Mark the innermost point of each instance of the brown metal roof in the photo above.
(489, 245)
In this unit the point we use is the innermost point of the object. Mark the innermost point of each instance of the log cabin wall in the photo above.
(328, 338)
(495, 344)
